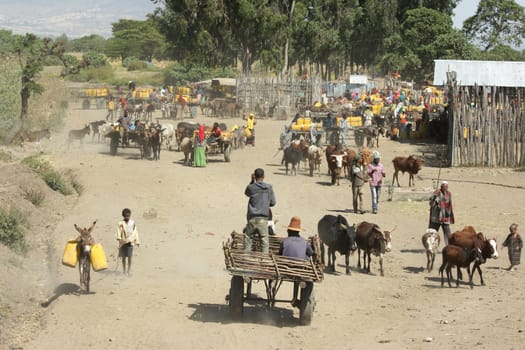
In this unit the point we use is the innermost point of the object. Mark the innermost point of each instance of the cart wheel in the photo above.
(227, 153)
(86, 104)
(307, 304)
(236, 297)
(113, 145)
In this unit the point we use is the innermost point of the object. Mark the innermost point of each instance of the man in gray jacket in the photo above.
(261, 199)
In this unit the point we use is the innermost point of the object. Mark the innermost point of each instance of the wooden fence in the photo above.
(488, 127)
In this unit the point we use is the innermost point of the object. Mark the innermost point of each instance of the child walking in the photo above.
(127, 236)
(514, 244)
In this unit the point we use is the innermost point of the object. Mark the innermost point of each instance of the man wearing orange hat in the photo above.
(296, 247)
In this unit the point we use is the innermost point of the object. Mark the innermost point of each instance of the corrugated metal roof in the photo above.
(488, 73)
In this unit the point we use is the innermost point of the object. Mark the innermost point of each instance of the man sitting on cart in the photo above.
(296, 247)
(215, 133)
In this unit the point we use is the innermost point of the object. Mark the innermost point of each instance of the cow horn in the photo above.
(392, 230)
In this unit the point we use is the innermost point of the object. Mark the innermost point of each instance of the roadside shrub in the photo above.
(37, 164)
(13, 222)
(75, 183)
(34, 196)
(51, 177)
(56, 182)
(5, 156)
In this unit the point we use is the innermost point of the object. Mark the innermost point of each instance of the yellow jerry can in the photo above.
(98, 257)
(70, 257)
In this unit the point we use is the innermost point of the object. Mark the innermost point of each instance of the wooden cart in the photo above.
(273, 269)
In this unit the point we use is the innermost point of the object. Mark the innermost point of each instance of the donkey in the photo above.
(78, 134)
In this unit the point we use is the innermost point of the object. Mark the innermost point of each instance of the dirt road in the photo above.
(175, 297)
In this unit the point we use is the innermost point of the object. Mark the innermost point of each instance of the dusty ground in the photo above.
(175, 296)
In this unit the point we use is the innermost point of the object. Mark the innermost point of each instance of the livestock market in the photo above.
(354, 202)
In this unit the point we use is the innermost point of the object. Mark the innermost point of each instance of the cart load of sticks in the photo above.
(258, 265)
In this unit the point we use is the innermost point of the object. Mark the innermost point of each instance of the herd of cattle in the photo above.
(340, 160)
(465, 247)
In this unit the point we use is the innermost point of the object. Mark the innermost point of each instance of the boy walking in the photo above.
(127, 237)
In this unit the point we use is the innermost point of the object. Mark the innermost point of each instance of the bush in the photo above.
(137, 65)
(5, 156)
(37, 164)
(75, 183)
(51, 177)
(13, 222)
(94, 59)
(128, 60)
(34, 196)
(56, 182)
(99, 74)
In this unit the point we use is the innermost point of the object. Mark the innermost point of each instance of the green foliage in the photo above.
(100, 74)
(51, 177)
(13, 222)
(37, 164)
(137, 65)
(10, 85)
(93, 42)
(181, 75)
(75, 182)
(132, 38)
(35, 196)
(56, 182)
(496, 22)
(5, 156)
(94, 59)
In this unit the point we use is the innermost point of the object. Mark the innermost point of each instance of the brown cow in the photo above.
(469, 239)
(336, 162)
(410, 164)
(459, 257)
(371, 239)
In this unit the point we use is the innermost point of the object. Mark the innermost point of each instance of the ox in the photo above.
(155, 141)
(338, 236)
(186, 147)
(371, 134)
(185, 129)
(315, 157)
(410, 164)
(168, 134)
(336, 161)
(459, 257)
(371, 239)
(430, 240)
(95, 129)
(469, 239)
(292, 155)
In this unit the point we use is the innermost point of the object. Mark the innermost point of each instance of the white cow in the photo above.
(168, 134)
(431, 242)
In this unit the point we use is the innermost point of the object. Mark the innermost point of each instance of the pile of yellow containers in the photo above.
(355, 121)
(304, 124)
(97, 92)
(142, 94)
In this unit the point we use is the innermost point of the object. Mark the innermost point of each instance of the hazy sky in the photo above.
(77, 18)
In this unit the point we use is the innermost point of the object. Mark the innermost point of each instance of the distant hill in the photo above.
(75, 18)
